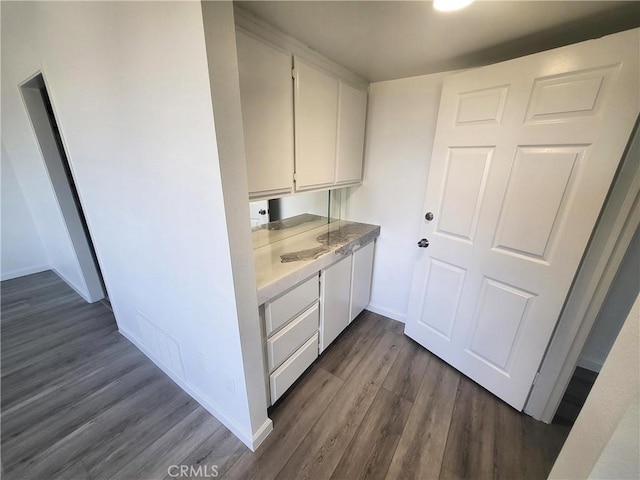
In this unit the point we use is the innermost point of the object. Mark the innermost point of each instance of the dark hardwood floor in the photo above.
(575, 396)
(81, 402)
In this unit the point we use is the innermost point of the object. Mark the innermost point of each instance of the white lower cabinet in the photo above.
(361, 272)
(291, 331)
(284, 343)
(289, 371)
(285, 308)
(335, 292)
(301, 323)
(345, 290)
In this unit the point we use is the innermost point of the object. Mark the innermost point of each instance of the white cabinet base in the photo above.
(293, 339)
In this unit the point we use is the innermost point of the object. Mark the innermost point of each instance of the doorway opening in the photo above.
(617, 305)
(45, 127)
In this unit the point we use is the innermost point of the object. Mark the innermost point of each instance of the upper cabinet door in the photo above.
(267, 116)
(351, 124)
(316, 120)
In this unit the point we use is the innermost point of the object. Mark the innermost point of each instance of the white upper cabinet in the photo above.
(267, 115)
(352, 112)
(283, 82)
(316, 121)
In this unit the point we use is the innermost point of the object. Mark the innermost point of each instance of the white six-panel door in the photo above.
(524, 154)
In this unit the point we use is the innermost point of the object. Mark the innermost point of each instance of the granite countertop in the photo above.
(291, 250)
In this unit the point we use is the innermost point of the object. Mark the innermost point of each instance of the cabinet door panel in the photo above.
(266, 90)
(351, 125)
(335, 300)
(361, 279)
(316, 120)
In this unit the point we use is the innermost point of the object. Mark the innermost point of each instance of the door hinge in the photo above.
(295, 177)
(535, 379)
(294, 73)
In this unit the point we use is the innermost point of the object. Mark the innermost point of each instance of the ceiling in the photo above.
(384, 40)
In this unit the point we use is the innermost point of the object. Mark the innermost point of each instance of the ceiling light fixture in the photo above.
(450, 5)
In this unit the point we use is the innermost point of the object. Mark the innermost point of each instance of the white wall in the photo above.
(623, 291)
(129, 83)
(309, 202)
(619, 459)
(220, 36)
(22, 250)
(401, 123)
(19, 62)
(594, 448)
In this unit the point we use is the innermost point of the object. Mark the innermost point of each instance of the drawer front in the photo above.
(289, 371)
(289, 305)
(287, 340)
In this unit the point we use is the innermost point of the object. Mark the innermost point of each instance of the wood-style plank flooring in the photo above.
(81, 402)
(574, 397)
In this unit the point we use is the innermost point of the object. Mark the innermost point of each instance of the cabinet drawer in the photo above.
(287, 340)
(289, 305)
(289, 371)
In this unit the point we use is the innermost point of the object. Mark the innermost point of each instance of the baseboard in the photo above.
(590, 364)
(23, 272)
(74, 287)
(392, 314)
(250, 440)
(261, 434)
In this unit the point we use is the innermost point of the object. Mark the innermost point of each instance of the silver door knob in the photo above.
(428, 216)
(424, 243)
(262, 211)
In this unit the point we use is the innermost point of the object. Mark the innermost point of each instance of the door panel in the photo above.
(501, 308)
(443, 290)
(562, 97)
(464, 186)
(528, 220)
(523, 157)
(481, 106)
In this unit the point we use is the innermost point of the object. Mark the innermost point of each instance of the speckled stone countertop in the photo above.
(290, 251)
